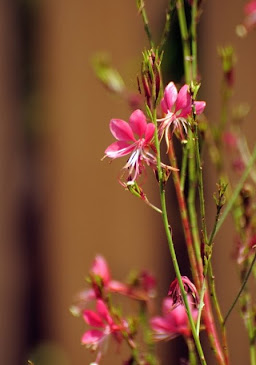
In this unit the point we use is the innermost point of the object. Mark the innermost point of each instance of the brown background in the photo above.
(60, 204)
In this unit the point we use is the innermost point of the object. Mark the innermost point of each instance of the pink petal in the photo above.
(164, 106)
(92, 337)
(103, 311)
(149, 133)
(250, 7)
(119, 149)
(170, 95)
(138, 122)
(117, 287)
(121, 130)
(200, 105)
(86, 295)
(100, 268)
(179, 317)
(160, 324)
(93, 319)
(183, 103)
(167, 306)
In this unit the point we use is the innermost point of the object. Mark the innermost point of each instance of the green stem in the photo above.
(218, 311)
(171, 246)
(184, 164)
(192, 197)
(141, 8)
(191, 351)
(185, 39)
(237, 190)
(167, 25)
(200, 187)
(240, 290)
(194, 39)
(184, 216)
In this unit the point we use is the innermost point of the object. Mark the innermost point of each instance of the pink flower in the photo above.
(127, 144)
(177, 107)
(96, 339)
(101, 271)
(174, 321)
(250, 15)
(101, 282)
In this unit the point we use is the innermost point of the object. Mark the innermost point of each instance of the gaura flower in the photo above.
(250, 18)
(101, 320)
(177, 107)
(101, 271)
(101, 282)
(173, 322)
(133, 138)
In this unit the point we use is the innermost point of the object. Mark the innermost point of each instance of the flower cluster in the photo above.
(105, 320)
(136, 138)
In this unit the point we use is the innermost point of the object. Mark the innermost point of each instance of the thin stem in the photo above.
(194, 39)
(192, 178)
(184, 164)
(249, 319)
(184, 216)
(171, 246)
(237, 190)
(141, 8)
(167, 25)
(240, 290)
(200, 187)
(218, 310)
(185, 39)
(191, 351)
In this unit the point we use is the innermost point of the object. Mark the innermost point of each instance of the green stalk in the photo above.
(185, 39)
(184, 164)
(191, 352)
(141, 8)
(241, 289)
(200, 186)
(192, 197)
(171, 246)
(184, 216)
(236, 192)
(194, 39)
(211, 330)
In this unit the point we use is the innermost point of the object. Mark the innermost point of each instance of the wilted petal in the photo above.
(121, 130)
(119, 149)
(149, 133)
(93, 319)
(138, 122)
(92, 337)
(170, 95)
(200, 105)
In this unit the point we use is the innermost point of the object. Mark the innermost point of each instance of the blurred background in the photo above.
(60, 204)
